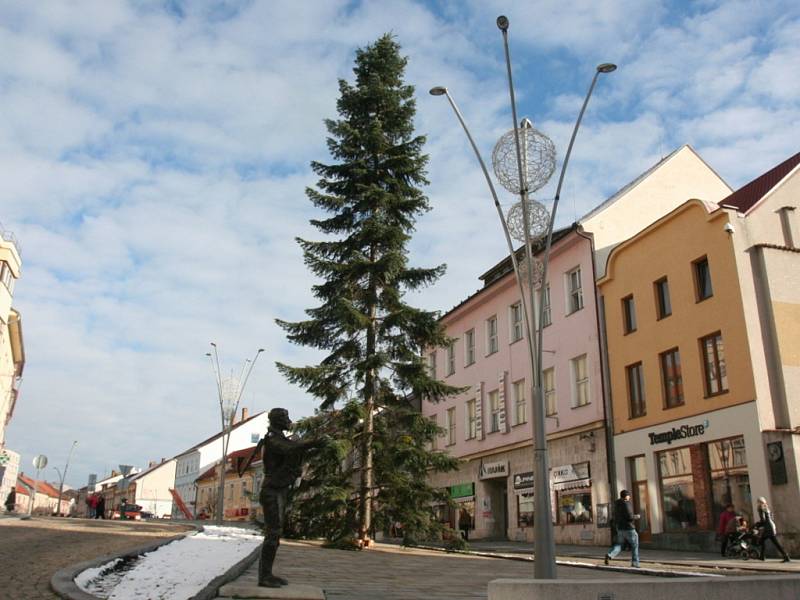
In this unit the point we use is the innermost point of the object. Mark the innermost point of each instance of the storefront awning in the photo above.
(573, 485)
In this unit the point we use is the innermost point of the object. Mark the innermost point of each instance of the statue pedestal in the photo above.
(250, 591)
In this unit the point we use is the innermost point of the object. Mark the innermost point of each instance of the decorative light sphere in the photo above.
(538, 220)
(538, 159)
(538, 271)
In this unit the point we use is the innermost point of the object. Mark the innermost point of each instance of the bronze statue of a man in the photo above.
(282, 459)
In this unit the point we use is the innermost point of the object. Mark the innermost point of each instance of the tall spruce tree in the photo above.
(374, 340)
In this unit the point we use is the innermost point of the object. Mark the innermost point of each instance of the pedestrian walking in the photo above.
(626, 530)
(100, 509)
(768, 529)
(464, 523)
(728, 515)
(11, 500)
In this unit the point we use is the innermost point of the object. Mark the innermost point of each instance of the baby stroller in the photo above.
(744, 544)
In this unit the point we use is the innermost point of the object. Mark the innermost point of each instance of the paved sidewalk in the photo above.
(389, 572)
(652, 557)
(32, 550)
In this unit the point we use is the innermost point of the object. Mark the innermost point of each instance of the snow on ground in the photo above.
(180, 569)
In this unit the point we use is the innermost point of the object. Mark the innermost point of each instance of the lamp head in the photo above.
(208, 353)
(606, 68)
(438, 91)
(502, 23)
(260, 350)
(213, 344)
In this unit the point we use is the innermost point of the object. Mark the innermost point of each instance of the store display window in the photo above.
(574, 506)
(525, 509)
(677, 489)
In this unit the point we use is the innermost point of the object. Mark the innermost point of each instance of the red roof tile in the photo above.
(749, 194)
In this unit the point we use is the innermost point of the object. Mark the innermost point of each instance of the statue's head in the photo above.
(279, 419)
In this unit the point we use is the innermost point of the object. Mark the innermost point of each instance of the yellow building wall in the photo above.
(668, 248)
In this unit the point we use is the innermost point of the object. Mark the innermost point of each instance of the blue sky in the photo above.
(154, 157)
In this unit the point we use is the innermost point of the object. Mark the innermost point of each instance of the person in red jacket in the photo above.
(722, 528)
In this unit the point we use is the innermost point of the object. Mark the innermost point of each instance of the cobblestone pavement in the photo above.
(393, 573)
(31, 551)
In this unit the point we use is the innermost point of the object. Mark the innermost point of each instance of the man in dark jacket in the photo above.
(626, 530)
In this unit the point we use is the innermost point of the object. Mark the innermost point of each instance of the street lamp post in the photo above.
(529, 169)
(63, 476)
(229, 392)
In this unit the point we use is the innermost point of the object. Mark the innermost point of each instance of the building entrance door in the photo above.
(641, 504)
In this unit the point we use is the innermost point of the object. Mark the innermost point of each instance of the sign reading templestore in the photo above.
(678, 433)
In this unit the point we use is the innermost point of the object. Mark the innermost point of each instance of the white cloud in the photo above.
(155, 167)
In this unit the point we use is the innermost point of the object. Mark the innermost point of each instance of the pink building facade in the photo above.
(489, 426)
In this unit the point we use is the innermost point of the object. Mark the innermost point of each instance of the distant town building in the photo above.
(199, 458)
(150, 488)
(241, 491)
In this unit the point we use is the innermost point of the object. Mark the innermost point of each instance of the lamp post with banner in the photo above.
(229, 392)
(524, 160)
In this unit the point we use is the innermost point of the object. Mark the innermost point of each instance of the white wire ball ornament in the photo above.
(538, 271)
(538, 220)
(538, 159)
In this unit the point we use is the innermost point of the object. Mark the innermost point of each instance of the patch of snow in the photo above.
(178, 570)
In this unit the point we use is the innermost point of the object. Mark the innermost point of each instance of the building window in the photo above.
(574, 507)
(451, 426)
(515, 314)
(525, 505)
(663, 304)
(520, 405)
(547, 317)
(549, 385)
(494, 408)
(451, 358)
(702, 279)
(436, 432)
(628, 314)
(432, 364)
(574, 291)
(491, 335)
(677, 489)
(636, 400)
(580, 378)
(469, 347)
(672, 378)
(716, 374)
(472, 420)
(6, 276)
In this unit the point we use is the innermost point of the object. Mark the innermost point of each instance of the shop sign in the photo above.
(462, 490)
(571, 472)
(678, 433)
(523, 481)
(494, 469)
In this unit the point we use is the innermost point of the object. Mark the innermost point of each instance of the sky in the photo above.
(154, 157)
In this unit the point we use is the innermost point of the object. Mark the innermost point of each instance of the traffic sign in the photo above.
(39, 461)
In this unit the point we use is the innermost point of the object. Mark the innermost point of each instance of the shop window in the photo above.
(672, 378)
(677, 489)
(716, 374)
(730, 482)
(663, 303)
(525, 505)
(641, 506)
(575, 507)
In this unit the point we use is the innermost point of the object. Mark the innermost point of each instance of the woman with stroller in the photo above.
(768, 529)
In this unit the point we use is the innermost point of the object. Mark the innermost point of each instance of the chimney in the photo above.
(151, 463)
(244, 414)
